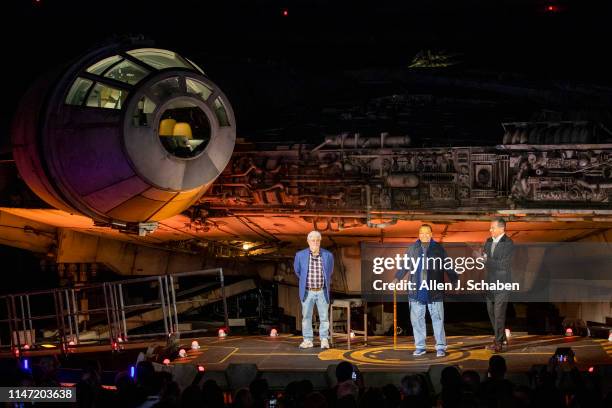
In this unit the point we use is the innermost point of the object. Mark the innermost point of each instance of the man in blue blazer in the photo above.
(314, 267)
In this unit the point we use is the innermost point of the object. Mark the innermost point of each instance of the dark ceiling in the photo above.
(310, 72)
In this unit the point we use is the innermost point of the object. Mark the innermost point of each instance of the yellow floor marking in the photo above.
(235, 349)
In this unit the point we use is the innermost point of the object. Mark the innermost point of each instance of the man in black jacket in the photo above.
(425, 295)
(498, 251)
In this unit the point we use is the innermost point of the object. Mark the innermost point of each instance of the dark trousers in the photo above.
(497, 303)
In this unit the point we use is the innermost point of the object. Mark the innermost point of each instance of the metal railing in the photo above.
(107, 312)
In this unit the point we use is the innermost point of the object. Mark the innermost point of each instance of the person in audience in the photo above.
(450, 381)
(496, 387)
(414, 392)
(213, 395)
(392, 396)
(192, 397)
(243, 399)
(315, 400)
(260, 392)
(470, 380)
(372, 397)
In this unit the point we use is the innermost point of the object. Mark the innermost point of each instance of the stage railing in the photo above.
(107, 312)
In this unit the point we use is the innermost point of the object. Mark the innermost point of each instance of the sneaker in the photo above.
(419, 352)
(306, 344)
(440, 353)
(324, 344)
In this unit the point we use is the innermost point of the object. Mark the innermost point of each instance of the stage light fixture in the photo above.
(195, 345)
(222, 332)
(201, 368)
(166, 361)
(569, 332)
(273, 333)
(115, 346)
(182, 353)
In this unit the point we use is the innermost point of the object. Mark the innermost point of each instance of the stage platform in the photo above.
(468, 352)
(234, 361)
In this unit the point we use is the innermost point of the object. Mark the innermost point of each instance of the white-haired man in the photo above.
(314, 267)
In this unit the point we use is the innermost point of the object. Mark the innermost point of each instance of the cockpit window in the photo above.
(159, 59)
(99, 67)
(128, 72)
(221, 113)
(163, 89)
(78, 91)
(198, 88)
(144, 112)
(104, 96)
(184, 130)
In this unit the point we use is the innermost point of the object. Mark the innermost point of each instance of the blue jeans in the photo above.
(312, 298)
(419, 329)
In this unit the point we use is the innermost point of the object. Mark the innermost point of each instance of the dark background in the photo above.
(281, 72)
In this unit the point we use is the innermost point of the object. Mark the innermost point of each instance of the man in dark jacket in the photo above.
(424, 294)
(498, 251)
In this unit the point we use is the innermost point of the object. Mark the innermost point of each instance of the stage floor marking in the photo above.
(371, 355)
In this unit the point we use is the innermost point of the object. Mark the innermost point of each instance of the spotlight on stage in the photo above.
(273, 333)
(222, 332)
(591, 369)
(195, 345)
(26, 346)
(575, 327)
(182, 353)
(201, 368)
(166, 361)
(117, 346)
